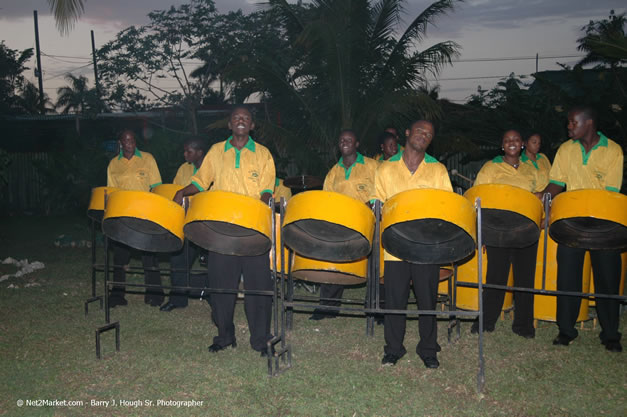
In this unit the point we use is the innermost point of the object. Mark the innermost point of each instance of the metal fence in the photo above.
(24, 191)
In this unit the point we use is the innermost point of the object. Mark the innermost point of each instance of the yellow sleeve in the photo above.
(268, 174)
(206, 173)
(177, 178)
(483, 177)
(154, 174)
(379, 185)
(614, 178)
(329, 180)
(557, 174)
(446, 180)
(112, 181)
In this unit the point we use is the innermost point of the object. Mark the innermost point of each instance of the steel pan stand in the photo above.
(94, 268)
(284, 353)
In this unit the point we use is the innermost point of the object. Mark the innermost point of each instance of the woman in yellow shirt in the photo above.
(510, 170)
(540, 161)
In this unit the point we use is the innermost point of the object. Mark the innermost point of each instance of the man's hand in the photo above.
(178, 197)
(265, 197)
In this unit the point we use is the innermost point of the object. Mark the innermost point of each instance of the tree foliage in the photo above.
(604, 41)
(12, 81)
(132, 64)
(340, 64)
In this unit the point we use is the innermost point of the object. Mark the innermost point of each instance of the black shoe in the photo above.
(528, 334)
(431, 362)
(379, 319)
(562, 340)
(321, 315)
(486, 329)
(613, 346)
(169, 307)
(153, 301)
(216, 348)
(389, 359)
(264, 353)
(117, 301)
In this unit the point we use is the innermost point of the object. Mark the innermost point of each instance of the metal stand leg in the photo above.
(104, 328)
(93, 297)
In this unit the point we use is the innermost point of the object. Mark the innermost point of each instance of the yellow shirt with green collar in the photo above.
(355, 181)
(497, 171)
(542, 165)
(280, 190)
(140, 173)
(379, 157)
(249, 171)
(184, 174)
(393, 177)
(601, 168)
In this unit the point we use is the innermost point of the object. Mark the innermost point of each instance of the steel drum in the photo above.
(229, 223)
(167, 190)
(429, 226)
(323, 272)
(328, 226)
(589, 219)
(468, 298)
(545, 306)
(511, 216)
(144, 220)
(621, 285)
(97, 202)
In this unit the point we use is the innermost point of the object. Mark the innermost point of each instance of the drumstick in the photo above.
(457, 174)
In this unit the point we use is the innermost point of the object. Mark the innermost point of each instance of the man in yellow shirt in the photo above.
(137, 171)
(412, 168)
(238, 165)
(588, 160)
(194, 153)
(352, 176)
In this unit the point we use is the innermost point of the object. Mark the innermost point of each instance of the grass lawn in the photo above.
(47, 352)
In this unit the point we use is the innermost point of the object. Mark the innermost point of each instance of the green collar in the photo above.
(524, 158)
(137, 153)
(359, 160)
(428, 158)
(498, 159)
(347, 171)
(602, 142)
(250, 145)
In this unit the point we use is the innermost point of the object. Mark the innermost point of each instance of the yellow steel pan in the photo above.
(468, 298)
(345, 273)
(589, 219)
(229, 223)
(429, 226)
(545, 306)
(167, 190)
(144, 221)
(511, 216)
(328, 226)
(97, 202)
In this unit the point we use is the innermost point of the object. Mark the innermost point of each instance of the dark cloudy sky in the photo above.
(496, 30)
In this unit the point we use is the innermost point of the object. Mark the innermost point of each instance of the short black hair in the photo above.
(383, 136)
(196, 142)
(349, 130)
(241, 106)
(588, 112)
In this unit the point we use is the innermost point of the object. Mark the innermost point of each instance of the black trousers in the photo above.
(225, 273)
(425, 278)
(523, 262)
(606, 266)
(121, 258)
(180, 264)
(336, 291)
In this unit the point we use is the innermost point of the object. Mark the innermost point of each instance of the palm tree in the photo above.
(342, 65)
(66, 13)
(31, 101)
(605, 42)
(78, 98)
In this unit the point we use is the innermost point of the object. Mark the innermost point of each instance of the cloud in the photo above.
(122, 12)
